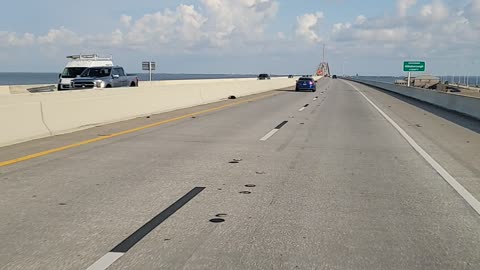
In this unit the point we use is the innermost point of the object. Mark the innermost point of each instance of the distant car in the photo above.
(104, 77)
(334, 76)
(78, 64)
(263, 76)
(290, 76)
(306, 83)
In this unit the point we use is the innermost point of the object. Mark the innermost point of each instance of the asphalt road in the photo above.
(331, 186)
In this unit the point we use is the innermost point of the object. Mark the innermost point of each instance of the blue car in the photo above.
(306, 83)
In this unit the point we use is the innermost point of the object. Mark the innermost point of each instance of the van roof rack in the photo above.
(93, 57)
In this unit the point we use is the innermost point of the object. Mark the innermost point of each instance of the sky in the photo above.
(369, 37)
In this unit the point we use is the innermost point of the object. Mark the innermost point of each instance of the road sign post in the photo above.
(150, 66)
(413, 66)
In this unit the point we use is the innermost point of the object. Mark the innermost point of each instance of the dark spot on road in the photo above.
(468, 141)
(233, 162)
(104, 135)
(148, 116)
(260, 172)
(302, 123)
(245, 192)
(34, 196)
(418, 125)
(62, 203)
(221, 215)
(250, 185)
(219, 189)
(217, 220)
(167, 239)
(232, 97)
(193, 117)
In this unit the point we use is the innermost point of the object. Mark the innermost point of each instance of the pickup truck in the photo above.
(104, 77)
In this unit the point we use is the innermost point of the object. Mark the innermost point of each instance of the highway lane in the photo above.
(451, 138)
(336, 187)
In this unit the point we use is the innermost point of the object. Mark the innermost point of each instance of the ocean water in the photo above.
(21, 78)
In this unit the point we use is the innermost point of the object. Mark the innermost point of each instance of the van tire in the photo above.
(108, 86)
(133, 84)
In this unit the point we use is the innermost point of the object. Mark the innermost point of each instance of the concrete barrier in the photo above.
(24, 89)
(469, 106)
(36, 115)
(4, 90)
(21, 122)
(63, 116)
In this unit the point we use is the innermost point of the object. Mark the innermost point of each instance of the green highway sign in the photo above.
(413, 66)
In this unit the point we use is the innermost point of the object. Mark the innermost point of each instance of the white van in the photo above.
(77, 64)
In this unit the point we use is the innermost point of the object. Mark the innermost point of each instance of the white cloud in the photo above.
(339, 27)
(404, 5)
(190, 23)
(423, 34)
(472, 13)
(9, 39)
(435, 12)
(165, 29)
(238, 19)
(60, 36)
(215, 24)
(152, 28)
(126, 20)
(308, 26)
(360, 19)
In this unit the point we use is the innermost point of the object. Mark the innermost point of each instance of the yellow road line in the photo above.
(70, 146)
